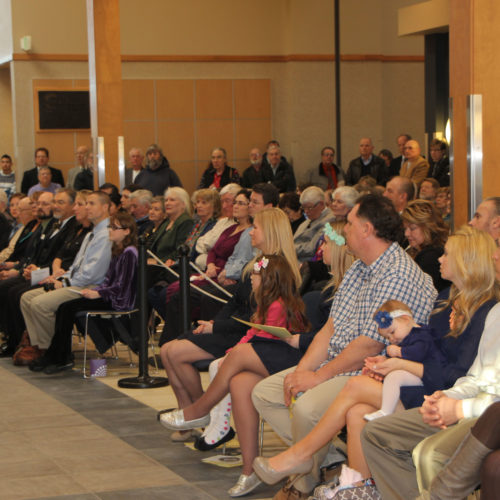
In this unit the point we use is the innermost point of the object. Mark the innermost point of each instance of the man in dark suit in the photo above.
(30, 177)
(366, 164)
(397, 162)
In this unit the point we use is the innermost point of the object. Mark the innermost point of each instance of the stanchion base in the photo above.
(142, 382)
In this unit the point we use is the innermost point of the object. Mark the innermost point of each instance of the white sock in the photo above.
(220, 414)
(375, 415)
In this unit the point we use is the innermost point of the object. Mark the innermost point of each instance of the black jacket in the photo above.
(376, 168)
(229, 175)
(284, 179)
(157, 181)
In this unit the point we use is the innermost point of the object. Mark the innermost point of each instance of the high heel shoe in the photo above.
(202, 445)
(271, 476)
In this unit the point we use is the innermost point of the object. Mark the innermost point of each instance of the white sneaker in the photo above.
(245, 485)
(373, 416)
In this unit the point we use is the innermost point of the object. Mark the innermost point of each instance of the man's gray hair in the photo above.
(348, 194)
(312, 195)
(154, 147)
(232, 188)
(143, 196)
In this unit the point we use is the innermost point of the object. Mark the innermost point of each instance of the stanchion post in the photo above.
(143, 381)
(185, 289)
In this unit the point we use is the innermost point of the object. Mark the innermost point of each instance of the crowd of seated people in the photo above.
(323, 265)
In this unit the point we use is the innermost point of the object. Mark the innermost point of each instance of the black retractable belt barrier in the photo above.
(143, 381)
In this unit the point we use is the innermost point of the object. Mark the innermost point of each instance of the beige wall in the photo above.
(5, 31)
(6, 139)
(379, 99)
(55, 26)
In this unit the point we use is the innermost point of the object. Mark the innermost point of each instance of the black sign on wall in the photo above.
(67, 109)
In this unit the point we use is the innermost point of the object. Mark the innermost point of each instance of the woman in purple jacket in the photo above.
(117, 292)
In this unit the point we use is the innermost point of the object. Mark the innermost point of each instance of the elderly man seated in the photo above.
(309, 232)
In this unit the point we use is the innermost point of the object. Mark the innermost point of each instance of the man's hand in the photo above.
(57, 285)
(299, 381)
(429, 410)
(27, 271)
(90, 294)
(11, 273)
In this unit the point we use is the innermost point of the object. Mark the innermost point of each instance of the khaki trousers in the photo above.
(39, 310)
(388, 444)
(268, 399)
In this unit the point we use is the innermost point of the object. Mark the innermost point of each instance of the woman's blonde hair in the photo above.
(470, 257)
(83, 193)
(181, 195)
(278, 239)
(341, 259)
(425, 215)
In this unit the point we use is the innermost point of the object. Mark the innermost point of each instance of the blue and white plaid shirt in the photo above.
(394, 275)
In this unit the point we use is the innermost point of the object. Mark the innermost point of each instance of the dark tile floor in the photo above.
(133, 424)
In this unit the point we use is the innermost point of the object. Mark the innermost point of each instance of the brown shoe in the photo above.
(25, 342)
(289, 492)
(25, 339)
(27, 355)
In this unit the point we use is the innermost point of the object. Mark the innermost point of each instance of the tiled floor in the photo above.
(65, 437)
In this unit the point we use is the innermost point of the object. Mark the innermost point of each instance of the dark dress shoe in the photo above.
(6, 351)
(61, 367)
(202, 445)
(39, 364)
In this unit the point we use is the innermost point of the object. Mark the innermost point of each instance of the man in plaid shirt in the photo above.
(383, 271)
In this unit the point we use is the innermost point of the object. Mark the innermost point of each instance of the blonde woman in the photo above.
(468, 264)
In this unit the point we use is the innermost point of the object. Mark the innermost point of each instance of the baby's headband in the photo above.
(384, 318)
(333, 235)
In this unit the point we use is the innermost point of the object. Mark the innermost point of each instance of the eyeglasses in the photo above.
(240, 203)
(307, 208)
(115, 228)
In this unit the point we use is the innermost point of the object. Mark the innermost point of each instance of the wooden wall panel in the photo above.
(251, 134)
(138, 100)
(214, 99)
(138, 135)
(175, 99)
(252, 99)
(214, 133)
(177, 137)
(187, 118)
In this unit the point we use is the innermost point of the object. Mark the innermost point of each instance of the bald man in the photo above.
(81, 160)
(366, 164)
(487, 217)
(415, 166)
